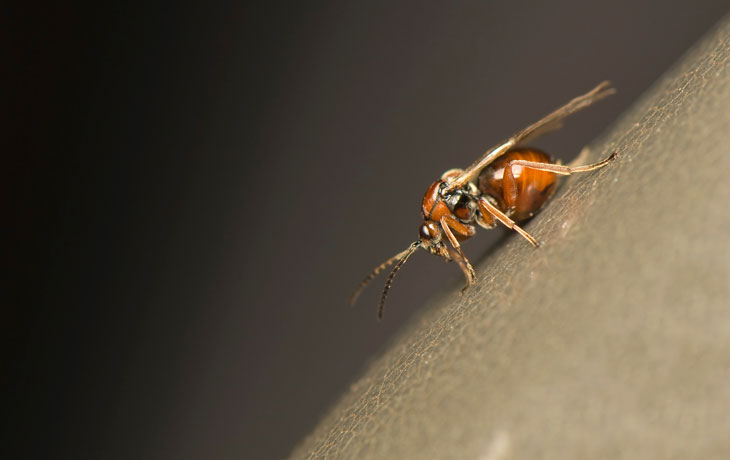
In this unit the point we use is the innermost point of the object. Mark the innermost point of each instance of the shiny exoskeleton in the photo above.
(518, 191)
(507, 185)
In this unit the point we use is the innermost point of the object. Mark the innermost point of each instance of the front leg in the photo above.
(447, 223)
(464, 266)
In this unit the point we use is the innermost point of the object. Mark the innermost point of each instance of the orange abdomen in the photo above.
(532, 187)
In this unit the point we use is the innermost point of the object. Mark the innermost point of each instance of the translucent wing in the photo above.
(548, 123)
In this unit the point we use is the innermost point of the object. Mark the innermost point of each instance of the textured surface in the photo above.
(611, 340)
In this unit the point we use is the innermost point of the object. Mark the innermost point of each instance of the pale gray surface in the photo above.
(612, 340)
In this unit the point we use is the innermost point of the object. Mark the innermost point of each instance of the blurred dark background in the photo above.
(191, 193)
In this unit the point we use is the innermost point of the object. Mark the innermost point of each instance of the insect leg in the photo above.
(488, 208)
(561, 169)
(446, 224)
(509, 187)
(459, 260)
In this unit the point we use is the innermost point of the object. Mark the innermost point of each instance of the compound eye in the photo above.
(423, 232)
(428, 231)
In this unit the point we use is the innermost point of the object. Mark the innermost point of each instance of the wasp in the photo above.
(508, 184)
